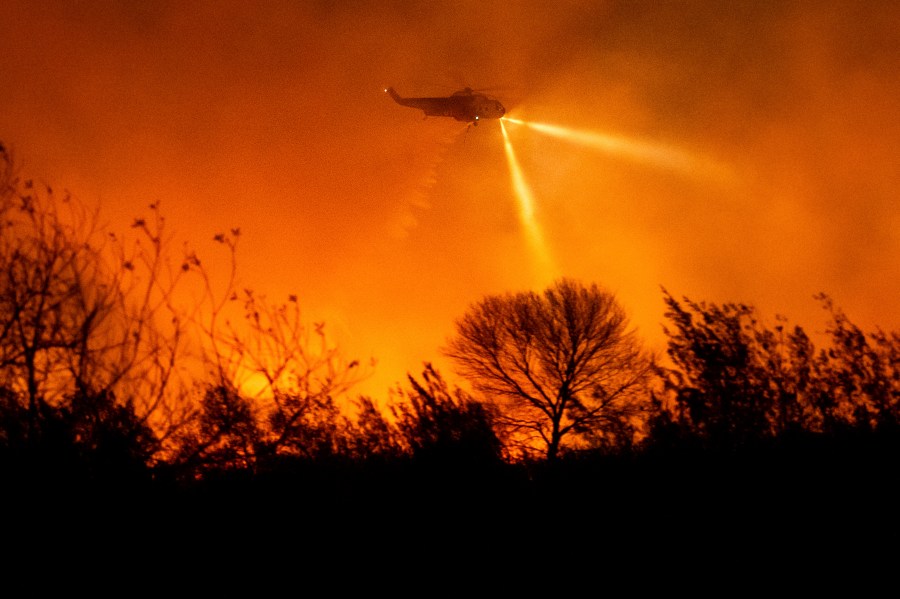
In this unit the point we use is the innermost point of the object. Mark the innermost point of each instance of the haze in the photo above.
(271, 117)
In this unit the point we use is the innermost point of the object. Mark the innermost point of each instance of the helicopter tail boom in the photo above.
(430, 106)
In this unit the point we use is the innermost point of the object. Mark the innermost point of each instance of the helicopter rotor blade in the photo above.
(476, 90)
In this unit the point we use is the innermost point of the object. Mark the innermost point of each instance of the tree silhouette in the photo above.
(859, 373)
(722, 372)
(86, 312)
(100, 319)
(302, 374)
(560, 368)
(224, 434)
(283, 377)
(88, 335)
(734, 382)
(438, 425)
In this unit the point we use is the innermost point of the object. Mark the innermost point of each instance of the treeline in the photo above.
(109, 383)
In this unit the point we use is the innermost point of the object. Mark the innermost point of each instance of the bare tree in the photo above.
(561, 368)
(84, 312)
(92, 321)
(273, 384)
(50, 298)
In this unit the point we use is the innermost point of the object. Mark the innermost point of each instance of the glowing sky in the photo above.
(271, 116)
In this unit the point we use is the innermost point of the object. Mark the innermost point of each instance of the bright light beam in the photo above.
(526, 207)
(648, 153)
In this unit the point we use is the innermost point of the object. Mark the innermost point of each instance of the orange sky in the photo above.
(271, 117)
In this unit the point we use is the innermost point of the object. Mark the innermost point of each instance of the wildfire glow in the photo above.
(254, 384)
(526, 207)
(644, 152)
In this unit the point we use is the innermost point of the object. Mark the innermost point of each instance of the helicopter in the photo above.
(464, 105)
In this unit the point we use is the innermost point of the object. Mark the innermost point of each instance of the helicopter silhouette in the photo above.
(464, 105)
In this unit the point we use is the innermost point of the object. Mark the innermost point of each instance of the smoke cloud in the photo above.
(387, 225)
